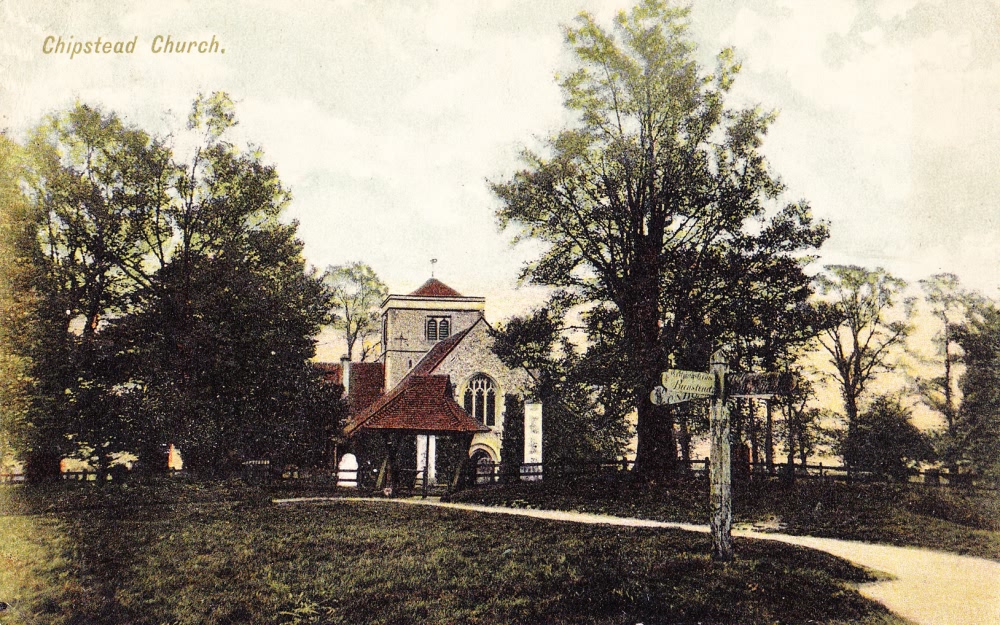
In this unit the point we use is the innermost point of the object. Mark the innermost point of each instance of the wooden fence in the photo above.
(491, 473)
(488, 473)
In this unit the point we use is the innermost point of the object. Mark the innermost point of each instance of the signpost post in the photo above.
(720, 466)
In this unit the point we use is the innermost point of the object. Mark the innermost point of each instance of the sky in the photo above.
(388, 119)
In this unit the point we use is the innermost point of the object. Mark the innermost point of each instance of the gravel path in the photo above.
(930, 587)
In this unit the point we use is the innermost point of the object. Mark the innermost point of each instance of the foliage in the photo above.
(176, 307)
(885, 441)
(356, 294)
(584, 415)
(512, 445)
(859, 335)
(653, 207)
(977, 426)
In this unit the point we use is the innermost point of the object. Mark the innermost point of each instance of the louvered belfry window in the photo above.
(438, 328)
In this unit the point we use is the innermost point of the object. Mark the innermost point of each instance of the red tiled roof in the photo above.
(367, 380)
(435, 288)
(420, 403)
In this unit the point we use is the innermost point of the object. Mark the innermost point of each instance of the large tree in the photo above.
(177, 306)
(860, 333)
(95, 182)
(356, 294)
(649, 195)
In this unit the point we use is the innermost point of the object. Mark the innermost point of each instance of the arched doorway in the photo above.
(485, 466)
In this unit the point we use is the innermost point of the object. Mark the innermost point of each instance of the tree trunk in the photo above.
(769, 438)
(851, 407)
(42, 465)
(720, 476)
(790, 439)
(656, 451)
(684, 438)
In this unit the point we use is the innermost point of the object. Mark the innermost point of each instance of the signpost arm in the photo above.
(720, 470)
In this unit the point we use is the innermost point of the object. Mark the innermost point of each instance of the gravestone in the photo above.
(347, 471)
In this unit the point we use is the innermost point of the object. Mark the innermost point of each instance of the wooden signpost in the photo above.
(719, 385)
(720, 466)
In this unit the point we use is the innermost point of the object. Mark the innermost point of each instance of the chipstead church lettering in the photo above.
(168, 45)
(161, 44)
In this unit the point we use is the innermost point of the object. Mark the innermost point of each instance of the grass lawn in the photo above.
(966, 522)
(211, 554)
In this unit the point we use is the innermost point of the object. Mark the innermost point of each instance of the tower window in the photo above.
(480, 399)
(438, 328)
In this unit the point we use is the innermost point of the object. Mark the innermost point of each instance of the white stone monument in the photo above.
(532, 442)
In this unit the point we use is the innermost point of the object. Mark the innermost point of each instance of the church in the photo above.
(437, 386)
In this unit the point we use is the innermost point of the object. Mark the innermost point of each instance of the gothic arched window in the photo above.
(480, 399)
(432, 330)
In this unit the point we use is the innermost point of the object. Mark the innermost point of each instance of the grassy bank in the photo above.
(199, 554)
(966, 522)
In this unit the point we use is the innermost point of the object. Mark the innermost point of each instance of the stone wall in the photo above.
(475, 355)
(401, 356)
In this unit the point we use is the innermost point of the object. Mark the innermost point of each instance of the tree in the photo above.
(226, 328)
(177, 307)
(860, 335)
(357, 292)
(95, 182)
(977, 425)
(950, 304)
(649, 197)
(885, 442)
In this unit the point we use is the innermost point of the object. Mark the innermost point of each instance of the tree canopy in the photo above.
(175, 306)
(654, 205)
(977, 424)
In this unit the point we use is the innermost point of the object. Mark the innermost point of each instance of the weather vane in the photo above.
(433, 262)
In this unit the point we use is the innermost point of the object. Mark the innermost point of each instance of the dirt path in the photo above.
(930, 587)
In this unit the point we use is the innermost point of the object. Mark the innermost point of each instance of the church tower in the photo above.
(413, 324)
